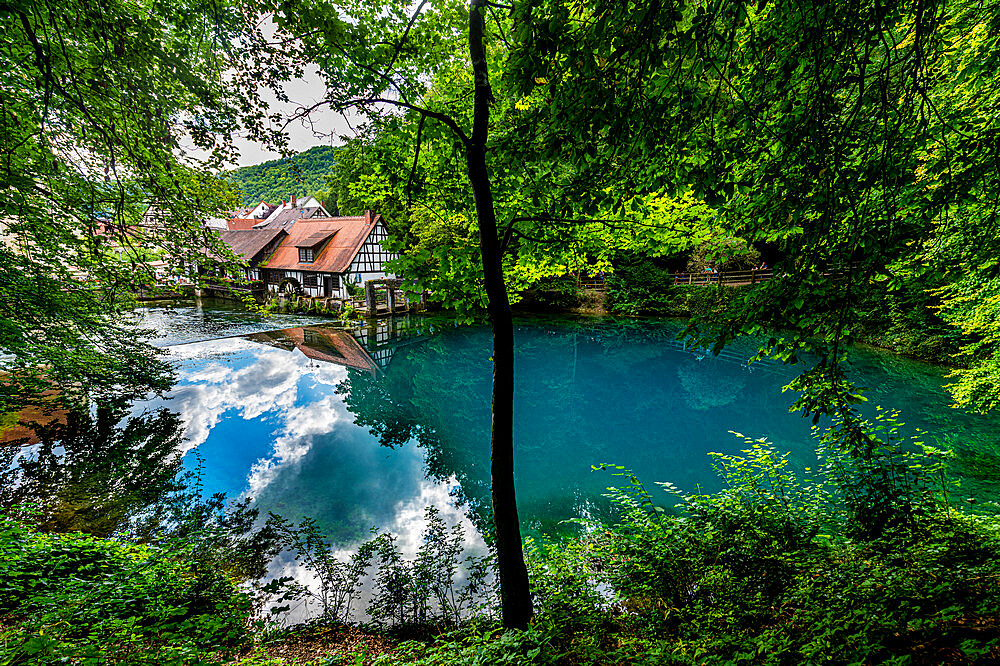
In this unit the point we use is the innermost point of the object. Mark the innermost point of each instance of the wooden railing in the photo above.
(595, 284)
(725, 277)
(753, 276)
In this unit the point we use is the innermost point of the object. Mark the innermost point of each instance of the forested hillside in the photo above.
(277, 180)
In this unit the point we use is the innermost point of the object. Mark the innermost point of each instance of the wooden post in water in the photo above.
(370, 302)
(390, 299)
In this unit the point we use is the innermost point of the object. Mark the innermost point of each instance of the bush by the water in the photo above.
(78, 599)
(863, 559)
(860, 562)
(643, 286)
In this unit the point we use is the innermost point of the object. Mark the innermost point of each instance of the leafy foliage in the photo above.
(845, 141)
(104, 105)
(77, 597)
(771, 570)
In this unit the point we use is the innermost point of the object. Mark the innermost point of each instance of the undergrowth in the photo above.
(861, 559)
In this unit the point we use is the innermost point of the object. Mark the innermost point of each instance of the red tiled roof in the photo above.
(336, 255)
(315, 239)
(240, 223)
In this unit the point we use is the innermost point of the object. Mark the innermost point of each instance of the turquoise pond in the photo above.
(365, 428)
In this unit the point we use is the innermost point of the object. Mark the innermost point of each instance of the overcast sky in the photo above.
(326, 130)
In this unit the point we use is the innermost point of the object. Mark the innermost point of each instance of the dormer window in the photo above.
(312, 245)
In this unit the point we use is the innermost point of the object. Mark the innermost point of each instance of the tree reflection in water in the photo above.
(295, 418)
(93, 470)
(587, 392)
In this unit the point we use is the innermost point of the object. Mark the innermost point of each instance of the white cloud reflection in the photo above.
(295, 438)
(318, 463)
(407, 523)
(212, 384)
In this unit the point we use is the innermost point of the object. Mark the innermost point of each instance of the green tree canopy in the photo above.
(857, 138)
(113, 115)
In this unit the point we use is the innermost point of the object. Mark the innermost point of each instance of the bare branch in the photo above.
(413, 169)
(442, 118)
(402, 40)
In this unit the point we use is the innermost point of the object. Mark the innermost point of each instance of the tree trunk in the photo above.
(515, 596)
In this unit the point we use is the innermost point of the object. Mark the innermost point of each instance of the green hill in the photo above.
(276, 180)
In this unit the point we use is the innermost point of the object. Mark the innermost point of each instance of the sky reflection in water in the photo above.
(367, 428)
(300, 421)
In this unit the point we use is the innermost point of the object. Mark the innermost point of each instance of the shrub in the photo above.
(551, 292)
(74, 597)
(640, 287)
(645, 288)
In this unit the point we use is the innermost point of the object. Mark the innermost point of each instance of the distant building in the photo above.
(289, 212)
(267, 216)
(258, 212)
(321, 255)
(247, 216)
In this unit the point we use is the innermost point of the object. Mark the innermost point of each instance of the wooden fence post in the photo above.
(370, 302)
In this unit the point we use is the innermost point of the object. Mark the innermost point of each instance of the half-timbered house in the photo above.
(321, 255)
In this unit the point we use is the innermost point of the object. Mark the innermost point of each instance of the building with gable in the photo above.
(253, 246)
(290, 211)
(321, 255)
(268, 216)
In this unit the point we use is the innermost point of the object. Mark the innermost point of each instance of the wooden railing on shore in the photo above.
(753, 276)
(595, 284)
(734, 278)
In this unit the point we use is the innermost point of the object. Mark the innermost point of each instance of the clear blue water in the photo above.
(366, 428)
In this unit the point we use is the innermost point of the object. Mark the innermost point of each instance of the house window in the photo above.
(335, 281)
(310, 280)
(273, 277)
(306, 255)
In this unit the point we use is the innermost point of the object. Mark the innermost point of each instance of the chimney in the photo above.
(294, 204)
(368, 216)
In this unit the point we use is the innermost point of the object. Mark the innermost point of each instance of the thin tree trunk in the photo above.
(515, 596)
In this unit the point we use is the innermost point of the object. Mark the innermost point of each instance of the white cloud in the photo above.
(300, 425)
(266, 386)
